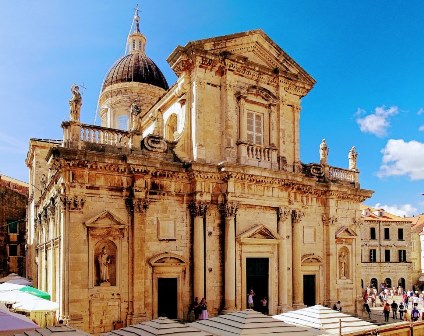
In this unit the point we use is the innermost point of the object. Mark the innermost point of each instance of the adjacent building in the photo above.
(386, 249)
(13, 206)
(197, 190)
(417, 247)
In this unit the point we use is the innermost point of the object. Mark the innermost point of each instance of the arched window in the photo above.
(388, 282)
(401, 282)
(374, 283)
(123, 122)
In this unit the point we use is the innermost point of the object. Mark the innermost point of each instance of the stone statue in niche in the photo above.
(75, 103)
(323, 152)
(135, 118)
(343, 265)
(352, 156)
(104, 260)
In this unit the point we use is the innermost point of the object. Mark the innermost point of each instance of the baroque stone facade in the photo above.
(204, 195)
(13, 205)
(386, 249)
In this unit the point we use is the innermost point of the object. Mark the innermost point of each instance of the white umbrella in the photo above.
(14, 296)
(16, 279)
(35, 304)
(6, 286)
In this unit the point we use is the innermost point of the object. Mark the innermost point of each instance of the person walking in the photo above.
(394, 307)
(415, 314)
(386, 312)
(367, 309)
(250, 302)
(401, 310)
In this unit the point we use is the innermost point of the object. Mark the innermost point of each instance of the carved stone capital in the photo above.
(72, 202)
(296, 216)
(283, 213)
(329, 220)
(229, 209)
(198, 209)
(139, 205)
(357, 222)
(51, 210)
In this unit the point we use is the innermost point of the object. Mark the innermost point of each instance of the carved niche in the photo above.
(106, 233)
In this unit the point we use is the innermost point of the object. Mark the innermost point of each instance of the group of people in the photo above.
(407, 297)
(198, 310)
(263, 303)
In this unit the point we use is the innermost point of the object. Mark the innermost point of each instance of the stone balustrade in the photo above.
(256, 155)
(103, 135)
(343, 175)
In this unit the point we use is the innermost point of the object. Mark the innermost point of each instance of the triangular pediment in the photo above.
(345, 232)
(254, 47)
(105, 219)
(258, 232)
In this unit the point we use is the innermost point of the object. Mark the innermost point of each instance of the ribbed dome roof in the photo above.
(135, 67)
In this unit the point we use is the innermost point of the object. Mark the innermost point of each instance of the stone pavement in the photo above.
(377, 315)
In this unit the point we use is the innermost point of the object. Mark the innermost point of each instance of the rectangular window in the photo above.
(13, 250)
(373, 255)
(386, 233)
(372, 233)
(402, 255)
(400, 234)
(13, 226)
(255, 128)
(387, 255)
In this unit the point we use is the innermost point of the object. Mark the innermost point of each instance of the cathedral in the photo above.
(193, 190)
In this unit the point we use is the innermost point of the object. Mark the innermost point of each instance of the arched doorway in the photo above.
(374, 283)
(388, 282)
(401, 282)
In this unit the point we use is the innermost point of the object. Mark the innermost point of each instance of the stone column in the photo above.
(282, 215)
(229, 211)
(296, 217)
(198, 211)
(137, 208)
(331, 259)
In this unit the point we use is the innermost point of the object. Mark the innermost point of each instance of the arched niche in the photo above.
(343, 262)
(106, 259)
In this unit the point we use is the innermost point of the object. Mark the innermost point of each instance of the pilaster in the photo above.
(283, 254)
(296, 217)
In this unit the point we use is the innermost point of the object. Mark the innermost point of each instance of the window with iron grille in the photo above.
(373, 255)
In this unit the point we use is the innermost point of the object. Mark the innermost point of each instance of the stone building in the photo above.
(13, 205)
(196, 190)
(386, 249)
(417, 250)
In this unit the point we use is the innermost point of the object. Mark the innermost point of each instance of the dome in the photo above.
(135, 67)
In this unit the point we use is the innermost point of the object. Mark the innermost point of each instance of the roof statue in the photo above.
(352, 156)
(75, 103)
(323, 152)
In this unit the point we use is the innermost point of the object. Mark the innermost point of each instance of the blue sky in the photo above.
(366, 56)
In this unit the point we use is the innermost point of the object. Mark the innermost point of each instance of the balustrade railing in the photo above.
(342, 174)
(103, 135)
(258, 152)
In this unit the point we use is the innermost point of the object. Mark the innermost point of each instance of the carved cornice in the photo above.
(229, 209)
(283, 213)
(296, 216)
(198, 209)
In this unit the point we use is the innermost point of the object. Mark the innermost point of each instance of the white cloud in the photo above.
(403, 158)
(421, 128)
(420, 111)
(378, 122)
(399, 210)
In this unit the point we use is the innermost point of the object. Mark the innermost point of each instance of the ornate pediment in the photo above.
(105, 220)
(345, 233)
(250, 50)
(311, 259)
(167, 259)
(258, 232)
